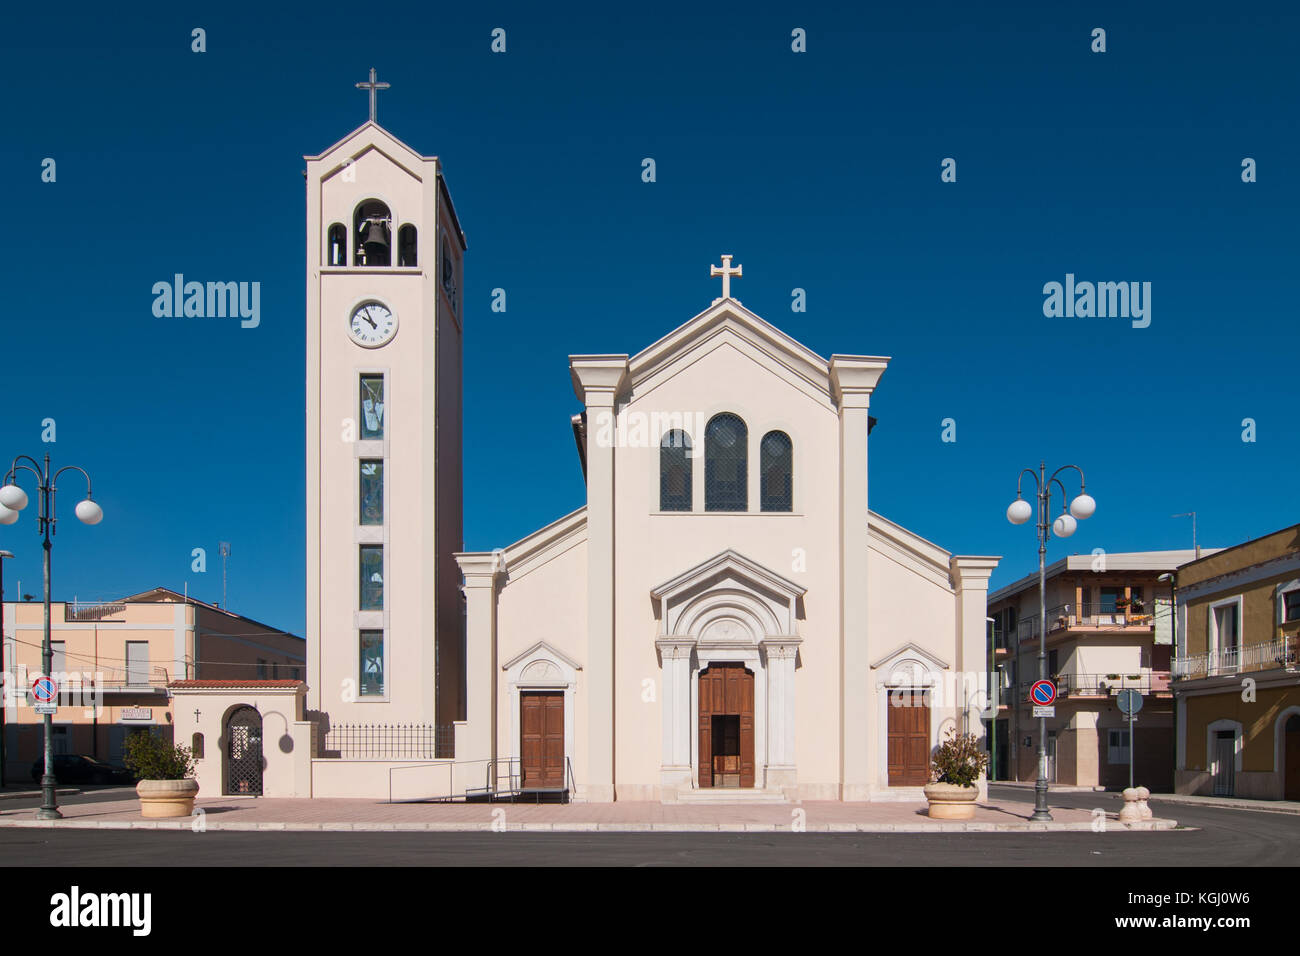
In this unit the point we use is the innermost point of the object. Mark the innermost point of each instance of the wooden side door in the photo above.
(908, 732)
(541, 746)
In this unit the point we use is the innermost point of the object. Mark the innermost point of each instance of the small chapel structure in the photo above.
(726, 618)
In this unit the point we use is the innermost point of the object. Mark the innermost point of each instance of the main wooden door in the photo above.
(541, 722)
(1291, 741)
(726, 726)
(909, 738)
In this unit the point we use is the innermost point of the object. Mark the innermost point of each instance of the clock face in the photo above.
(372, 325)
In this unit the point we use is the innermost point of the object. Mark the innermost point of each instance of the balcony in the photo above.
(1146, 681)
(1237, 660)
(1086, 617)
(113, 681)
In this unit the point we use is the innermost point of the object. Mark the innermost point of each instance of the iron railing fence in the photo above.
(90, 611)
(1107, 685)
(390, 741)
(1234, 660)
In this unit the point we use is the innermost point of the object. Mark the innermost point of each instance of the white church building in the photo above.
(724, 619)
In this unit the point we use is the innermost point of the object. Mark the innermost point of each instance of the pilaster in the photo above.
(853, 379)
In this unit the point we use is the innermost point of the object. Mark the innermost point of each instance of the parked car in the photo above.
(78, 768)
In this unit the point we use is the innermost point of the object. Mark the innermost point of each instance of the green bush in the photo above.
(152, 758)
(958, 760)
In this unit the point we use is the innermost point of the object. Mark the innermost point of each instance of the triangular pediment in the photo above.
(728, 323)
(728, 593)
(372, 137)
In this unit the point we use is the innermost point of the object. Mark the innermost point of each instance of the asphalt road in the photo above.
(1225, 838)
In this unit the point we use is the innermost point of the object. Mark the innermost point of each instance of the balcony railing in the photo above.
(1100, 616)
(1236, 660)
(1108, 685)
(82, 611)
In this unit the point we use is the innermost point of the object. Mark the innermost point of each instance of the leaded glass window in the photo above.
(675, 471)
(777, 459)
(372, 492)
(372, 577)
(726, 464)
(372, 663)
(372, 407)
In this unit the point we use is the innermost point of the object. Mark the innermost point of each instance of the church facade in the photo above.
(725, 618)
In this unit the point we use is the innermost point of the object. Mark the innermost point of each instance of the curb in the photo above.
(950, 827)
(1263, 806)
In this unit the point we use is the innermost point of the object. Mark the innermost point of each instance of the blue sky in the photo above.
(818, 170)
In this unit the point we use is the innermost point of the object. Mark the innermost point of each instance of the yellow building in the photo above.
(1236, 681)
(113, 662)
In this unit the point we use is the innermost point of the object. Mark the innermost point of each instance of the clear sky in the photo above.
(818, 170)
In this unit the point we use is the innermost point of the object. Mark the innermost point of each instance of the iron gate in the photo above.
(244, 752)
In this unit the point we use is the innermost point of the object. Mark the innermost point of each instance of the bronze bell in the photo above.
(376, 234)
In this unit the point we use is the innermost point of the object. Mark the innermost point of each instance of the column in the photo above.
(596, 380)
(853, 379)
(970, 582)
(780, 655)
(675, 702)
(476, 738)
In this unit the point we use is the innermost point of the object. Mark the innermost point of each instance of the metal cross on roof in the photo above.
(372, 86)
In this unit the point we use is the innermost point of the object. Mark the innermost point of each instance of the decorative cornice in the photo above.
(855, 377)
(597, 379)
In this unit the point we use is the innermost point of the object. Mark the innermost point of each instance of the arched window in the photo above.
(726, 464)
(196, 746)
(336, 245)
(675, 471)
(373, 228)
(776, 458)
(406, 251)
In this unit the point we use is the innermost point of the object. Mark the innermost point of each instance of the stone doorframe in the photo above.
(909, 667)
(541, 668)
(728, 609)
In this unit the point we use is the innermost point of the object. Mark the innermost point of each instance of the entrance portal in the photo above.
(726, 726)
(541, 723)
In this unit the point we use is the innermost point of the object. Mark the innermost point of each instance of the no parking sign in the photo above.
(1043, 693)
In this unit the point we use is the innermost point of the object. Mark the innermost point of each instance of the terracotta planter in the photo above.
(167, 798)
(951, 802)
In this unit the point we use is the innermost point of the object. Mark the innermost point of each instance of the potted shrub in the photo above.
(954, 773)
(167, 787)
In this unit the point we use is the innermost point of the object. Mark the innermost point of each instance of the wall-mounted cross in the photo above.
(372, 86)
(726, 272)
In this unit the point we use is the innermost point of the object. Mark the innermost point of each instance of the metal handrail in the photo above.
(1250, 657)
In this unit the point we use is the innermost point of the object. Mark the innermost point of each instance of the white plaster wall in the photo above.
(651, 548)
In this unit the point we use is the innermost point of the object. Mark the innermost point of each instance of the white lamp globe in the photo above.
(1083, 507)
(88, 512)
(7, 515)
(13, 497)
(1064, 526)
(1019, 511)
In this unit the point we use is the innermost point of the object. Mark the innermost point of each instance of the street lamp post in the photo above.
(13, 500)
(1065, 524)
(6, 688)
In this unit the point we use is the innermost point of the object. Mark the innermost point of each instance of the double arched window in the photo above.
(675, 471)
(726, 464)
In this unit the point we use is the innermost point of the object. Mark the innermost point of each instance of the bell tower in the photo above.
(385, 259)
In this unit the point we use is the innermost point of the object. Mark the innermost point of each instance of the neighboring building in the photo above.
(1108, 628)
(724, 612)
(1236, 678)
(113, 662)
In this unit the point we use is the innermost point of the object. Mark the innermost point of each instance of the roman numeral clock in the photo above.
(372, 325)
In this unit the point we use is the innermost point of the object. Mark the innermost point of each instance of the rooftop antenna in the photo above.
(1191, 514)
(224, 549)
